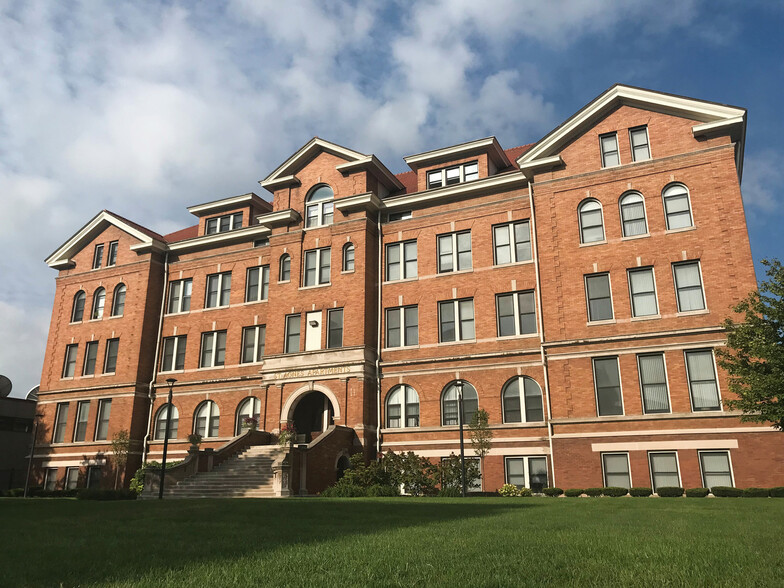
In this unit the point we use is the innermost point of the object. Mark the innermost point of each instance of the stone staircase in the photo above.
(246, 475)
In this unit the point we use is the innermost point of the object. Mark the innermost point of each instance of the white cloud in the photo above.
(763, 178)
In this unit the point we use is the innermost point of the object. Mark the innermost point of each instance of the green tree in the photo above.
(481, 436)
(418, 475)
(451, 473)
(754, 356)
(121, 445)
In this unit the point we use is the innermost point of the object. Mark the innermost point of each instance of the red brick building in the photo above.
(574, 288)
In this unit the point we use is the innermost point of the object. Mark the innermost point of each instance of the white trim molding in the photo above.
(487, 145)
(665, 445)
(227, 203)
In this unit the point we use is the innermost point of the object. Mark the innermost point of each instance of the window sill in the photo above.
(207, 308)
(347, 272)
(512, 337)
(177, 313)
(454, 272)
(386, 282)
(76, 323)
(593, 243)
(316, 227)
(284, 281)
(182, 371)
(249, 302)
(683, 230)
(633, 237)
(399, 348)
(65, 378)
(598, 323)
(107, 374)
(513, 263)
(95, 320)
(216, 367)
(461, 342)
(315, 286)
(693, 312)
(117, 316)
(87, 376)
(651, 317)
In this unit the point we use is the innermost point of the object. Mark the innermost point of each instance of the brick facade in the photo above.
(347, 379)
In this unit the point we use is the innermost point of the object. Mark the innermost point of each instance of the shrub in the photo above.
(418, 475)
(594, 491)
(382, 490)
(756, 493)
(614, 491)
(777, 492)
(670, 492)
(640, 491)
(574, 492)
(525, 492)
(726, 492)
(451, 492)
(696, 492)
(508, 490)
(344, 491)
(99, 494)
(552, 491)
(15, 492)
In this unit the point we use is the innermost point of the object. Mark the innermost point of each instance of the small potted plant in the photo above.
(287, 434)
(250, 422)
(195, 440)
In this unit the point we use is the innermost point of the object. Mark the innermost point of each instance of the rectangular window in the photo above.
(98, 256)
(90, 353)
(110, 361)
(609, 145)
(454, 252)
(402, 326)
(50, 479)
(60, 422)
(688, 286)
(317, 267)
(512, 243)
(82, 414)
(703, 387)
(453, 175)
(253, 339)
(616, 470)
(102, 422)
(653, 383)
(94, 477)
(71, 478)
(218, 290)
(401, 215)
(456, 320)
(111, 258)
(638, 138)
(664, 470)
(643, 292)
(607, 380)
(334, 328)
(293, 325)
(527, 472)
(69, 365)
(257, 284)
(401, 261)
(174, 353)
(597, 292)
(180, 295)
(515, 313)
(715, 468)
(213, 349)
(221, 224)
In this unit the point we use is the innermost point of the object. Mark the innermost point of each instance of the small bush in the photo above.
(15, 492)
(756, 493)
(696, 492)
(594, 491)
(640, 491)
(614, 491)
(670, 492)
(98, 494)
(525, 492)
(777, 492)
(552, 491)
(726, 492)
(450, 492)
(508, 490)
(381, 490)
(344, 491)
(574, 492)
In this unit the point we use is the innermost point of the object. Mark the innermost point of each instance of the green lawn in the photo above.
(393, 542)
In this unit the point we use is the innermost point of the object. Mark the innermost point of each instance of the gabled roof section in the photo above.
(229, 203)
(285, 172)
(730, 119)
(61, 258)
(487, 145)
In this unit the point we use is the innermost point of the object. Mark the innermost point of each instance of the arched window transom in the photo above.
(99, 300)
(248, 408)
(160, 422)
(319, 207)
(522, 401)
(348, 257)
(402, 407)
(77, 314)
(449, 404)
(118, 300)
(591, 223)
(677, 207)
(633, 215)
(284, 274)
(206, 419)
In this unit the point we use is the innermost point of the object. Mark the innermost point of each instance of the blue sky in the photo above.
(145, 108)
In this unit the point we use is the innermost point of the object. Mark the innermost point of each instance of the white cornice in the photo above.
(489, 144)
(279, 218)
(718, 126)
(225, 203)
(531, 167)
(280, 182)
(374, 165)
(497, 182)
(368, 201)
(245, 234)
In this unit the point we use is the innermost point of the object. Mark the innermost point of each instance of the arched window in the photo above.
(449, 404)
(633, 214)
(402, 407)
(99, 299)
(284, 274)
(248, 408)
(522, 397)
(591, 224)
(348, 257)
(160, 421)
(118, 300)
(77, 314)
(206, 418)
(319, 207)
(677, 208)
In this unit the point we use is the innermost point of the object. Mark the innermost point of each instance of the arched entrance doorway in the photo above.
(312, 415)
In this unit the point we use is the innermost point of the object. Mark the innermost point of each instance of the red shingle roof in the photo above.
(182, 234)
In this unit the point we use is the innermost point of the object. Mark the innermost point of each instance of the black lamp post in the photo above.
(170, 382)
(459, 386)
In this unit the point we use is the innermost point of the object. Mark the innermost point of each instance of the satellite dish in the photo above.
(5, 386)
(33, 394)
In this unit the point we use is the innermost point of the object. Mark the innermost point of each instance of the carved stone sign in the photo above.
(312, 373)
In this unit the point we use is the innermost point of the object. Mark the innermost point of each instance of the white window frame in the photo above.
(604, 153)
(402, 261)
(523, 402)
(182, 286)
(107, 355)
(628, 466)
(454, 255)
(292, 318)
(729, 461)
(596, 384)
(217, 223)
(76, 298)
(677, 465)
(320, 256)
(221, 278)
(259, 343)
(98, 256)
(666, 383)
(60, 422)
(437, 178)
(111, 255)
(401, 311)
(211, 363)
(102, 404)
(321, 208)
(68, 483)
(177, 340)
(671, 188)
(284, 263)
(702, 286)
(647, 142)
(403, 391)
(87, 347)
(583, 204)
(160, 417)
(348, 250)
(69, 363)
(118, 298)
(255, 412)
(399, 215)
(629, 273)
(262, 283)
(511, 234)
(457, 319)
(210, 431)
(50, 479)
(588, 299)
(527, 466)
(331, 331)
(82, 410)
(715, 377)
(621, 204)
(517, 315)
(99, 304)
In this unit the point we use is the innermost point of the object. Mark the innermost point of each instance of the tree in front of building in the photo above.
(754, 355)
(121, 445)
(481, 436)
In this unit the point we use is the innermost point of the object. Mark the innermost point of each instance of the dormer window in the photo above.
(609, 145)
(221, 224)
(453, 175)
(319, 207)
